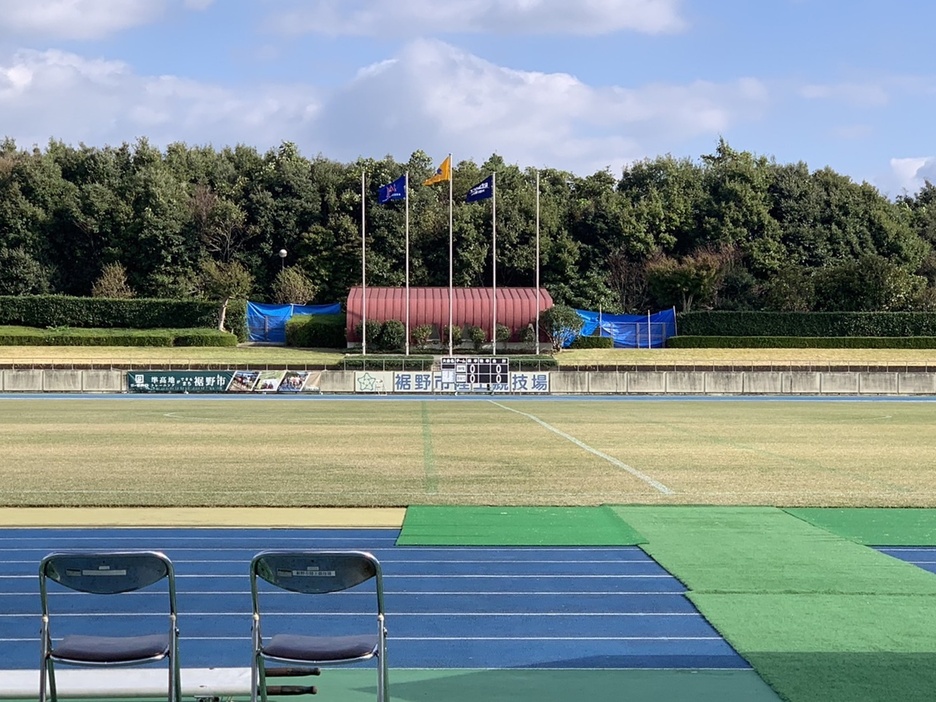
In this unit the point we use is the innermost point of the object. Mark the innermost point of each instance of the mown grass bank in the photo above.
(119, 356)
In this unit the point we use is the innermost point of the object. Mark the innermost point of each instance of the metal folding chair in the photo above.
(106, 573)
(315, 573)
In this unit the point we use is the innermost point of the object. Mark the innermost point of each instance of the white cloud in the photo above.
(431, 96)
(436, 98)
(107, 103)
(909, 174)
(422, 17)
(82, 19)
(75, 19)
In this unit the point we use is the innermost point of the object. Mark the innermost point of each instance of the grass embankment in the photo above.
(247, 355)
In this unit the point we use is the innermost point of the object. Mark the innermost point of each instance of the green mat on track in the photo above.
(833, 648)
(820, 618)
(876, 526)
(764, 549)
(429, 525)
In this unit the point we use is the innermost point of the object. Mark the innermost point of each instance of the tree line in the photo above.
(731, 230)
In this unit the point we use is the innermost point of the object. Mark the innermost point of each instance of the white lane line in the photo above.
(394, 615)
(655, 484)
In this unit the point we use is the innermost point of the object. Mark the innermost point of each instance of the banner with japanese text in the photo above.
(242, 381)
(424, 382)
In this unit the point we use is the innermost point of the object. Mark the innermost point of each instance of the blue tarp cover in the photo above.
(631, 331)
(268, 322)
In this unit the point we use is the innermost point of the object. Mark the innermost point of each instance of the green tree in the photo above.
(736, 209)
(561, 324)
(292, 286)
(420, 335)
(112, 283)
(684, 282)
(791, 289)
(224, 282)
(392, 336)
(21, 274)
(869, 283)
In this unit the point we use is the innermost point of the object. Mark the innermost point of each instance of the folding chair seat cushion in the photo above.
(321, 648)
(104, 649)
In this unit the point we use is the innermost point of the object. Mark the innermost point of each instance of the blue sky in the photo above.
(580, 85)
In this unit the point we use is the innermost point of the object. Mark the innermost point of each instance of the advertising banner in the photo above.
(425, 382)
(179, 381)
(242, 381)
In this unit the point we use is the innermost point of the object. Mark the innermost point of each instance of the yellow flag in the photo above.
(442, 174)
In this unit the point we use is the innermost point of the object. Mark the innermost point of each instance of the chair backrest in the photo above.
(106, 572)
(316, 572)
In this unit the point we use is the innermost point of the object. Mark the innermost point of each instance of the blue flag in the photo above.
(482, 190)
(394, 191)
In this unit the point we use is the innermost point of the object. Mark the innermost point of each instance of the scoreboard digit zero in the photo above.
(475, 372)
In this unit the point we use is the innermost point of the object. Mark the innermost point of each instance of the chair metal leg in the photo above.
(43, 677)
(50, 671)
(383, 682)
(258, 691)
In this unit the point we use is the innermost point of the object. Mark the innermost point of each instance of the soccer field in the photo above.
(498, 451)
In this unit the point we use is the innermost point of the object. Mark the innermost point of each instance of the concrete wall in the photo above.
(633, 382)
(58, 380)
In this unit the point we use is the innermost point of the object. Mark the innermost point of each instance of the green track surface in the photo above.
(821, 618)
(766, 550)
(515, 526)
(875, 526)
(833, 648)
(550, 686)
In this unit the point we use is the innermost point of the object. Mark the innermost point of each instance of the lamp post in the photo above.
(282, 255)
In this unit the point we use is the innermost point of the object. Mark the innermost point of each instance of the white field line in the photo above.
(655, 484)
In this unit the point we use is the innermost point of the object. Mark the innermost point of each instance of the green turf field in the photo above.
(165, 452)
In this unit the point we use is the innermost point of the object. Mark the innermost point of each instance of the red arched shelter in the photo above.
(471, 307)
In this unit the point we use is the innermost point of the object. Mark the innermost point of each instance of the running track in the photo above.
(468, 607)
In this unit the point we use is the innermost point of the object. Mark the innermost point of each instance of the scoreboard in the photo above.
(476, 372)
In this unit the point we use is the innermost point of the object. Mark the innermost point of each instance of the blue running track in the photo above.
(922, 556)
(466, 607)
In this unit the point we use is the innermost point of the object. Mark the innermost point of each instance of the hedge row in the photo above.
(43, 311)
(813, 324)
(801, 342)
(63, 336)
(592, 342)
(317, 331)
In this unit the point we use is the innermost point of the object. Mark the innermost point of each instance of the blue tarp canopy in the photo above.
(630, 331)
(268, 322)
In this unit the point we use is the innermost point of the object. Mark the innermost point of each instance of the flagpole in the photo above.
(451, 265)
(537, 261)
(406, 197)
(494, 259)
(363, 274)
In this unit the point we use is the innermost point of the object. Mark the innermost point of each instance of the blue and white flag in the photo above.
(393, 191)
(482, 190)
